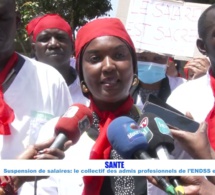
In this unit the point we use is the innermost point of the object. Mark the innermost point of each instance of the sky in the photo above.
(114, 4)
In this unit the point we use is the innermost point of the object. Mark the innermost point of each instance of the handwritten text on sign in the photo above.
(164, 27)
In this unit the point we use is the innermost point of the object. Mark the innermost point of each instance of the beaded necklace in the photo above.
(123, 185)
(95, 124)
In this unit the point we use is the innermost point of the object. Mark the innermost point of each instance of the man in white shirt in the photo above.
(52, 43)
(31, 92)
(197, 96)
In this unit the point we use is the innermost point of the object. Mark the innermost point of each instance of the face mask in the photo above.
(149, 72)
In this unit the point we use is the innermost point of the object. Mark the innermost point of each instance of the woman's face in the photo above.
(108, 69)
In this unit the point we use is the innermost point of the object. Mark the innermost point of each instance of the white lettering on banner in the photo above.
(164, 26)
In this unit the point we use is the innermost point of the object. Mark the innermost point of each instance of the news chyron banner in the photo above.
(168, 26)
(107, 167)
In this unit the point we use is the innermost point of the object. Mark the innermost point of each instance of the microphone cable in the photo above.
(167, 187)
(35, 185)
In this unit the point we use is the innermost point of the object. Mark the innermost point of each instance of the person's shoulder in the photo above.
(201, 81)
(41, 67)
(191, 87)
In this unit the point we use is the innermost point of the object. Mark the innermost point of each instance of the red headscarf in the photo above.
(97, 28)
(101, 149)
(48, 21)
(6, 113)
(101, 27)
(31, 25)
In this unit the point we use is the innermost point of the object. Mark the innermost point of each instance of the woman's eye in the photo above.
(119, 56)
(94, 59)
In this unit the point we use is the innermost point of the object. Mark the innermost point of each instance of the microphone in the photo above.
(160, 142)
(131, 141)
(178, 188)
(126, 138)
(77, 119)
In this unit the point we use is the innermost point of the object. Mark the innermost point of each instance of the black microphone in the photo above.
(160, 140)
(131, 141)
(77, 119)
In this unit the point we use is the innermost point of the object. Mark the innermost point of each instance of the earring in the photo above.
(84, 87)
(135, 81)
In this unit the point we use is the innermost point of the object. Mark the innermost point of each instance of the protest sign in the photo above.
(168, 27)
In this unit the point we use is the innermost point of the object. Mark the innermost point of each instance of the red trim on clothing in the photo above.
(6, 113)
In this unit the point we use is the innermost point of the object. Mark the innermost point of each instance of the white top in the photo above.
(37, 94)
(75, 89)
(76, 93)
(57, 184)
(195, 96)
(70, 184)
(63, 184)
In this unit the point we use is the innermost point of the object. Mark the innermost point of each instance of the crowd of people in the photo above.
(111, 77)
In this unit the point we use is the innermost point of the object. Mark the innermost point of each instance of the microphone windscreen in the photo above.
(160, 133)
(77, 119)
(125, 136)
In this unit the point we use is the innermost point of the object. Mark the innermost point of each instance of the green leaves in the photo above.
(75, 12)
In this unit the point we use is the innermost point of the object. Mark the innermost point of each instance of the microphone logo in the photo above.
(143, 126)
(71, 112)
(132, 131)
(162, 127)
(144, 122)
(84, 124)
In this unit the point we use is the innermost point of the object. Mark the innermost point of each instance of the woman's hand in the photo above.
(197, 185)
(189, 141)
(39, 151)
(192, 185)
(197, 67)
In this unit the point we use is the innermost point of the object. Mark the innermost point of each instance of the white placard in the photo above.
(164, 26)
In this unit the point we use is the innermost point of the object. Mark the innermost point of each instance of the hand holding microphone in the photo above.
(77, 119)
(203, 149)
(161, 143)
(125, 137)
(131, 141)
(70, 126)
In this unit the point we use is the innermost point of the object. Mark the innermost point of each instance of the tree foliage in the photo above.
(76, 12)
